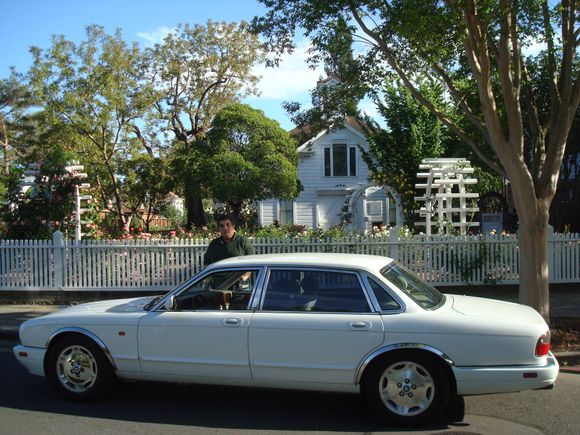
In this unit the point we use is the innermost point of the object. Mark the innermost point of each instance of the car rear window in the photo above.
(424, 294)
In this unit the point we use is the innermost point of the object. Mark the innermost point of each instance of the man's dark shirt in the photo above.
(218, 249)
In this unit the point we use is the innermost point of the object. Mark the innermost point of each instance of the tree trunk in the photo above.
(533, 216)
(237, 211)
(194, 205)
(6, 161)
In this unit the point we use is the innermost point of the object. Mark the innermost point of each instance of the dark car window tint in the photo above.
(385, 300)
(308, 290)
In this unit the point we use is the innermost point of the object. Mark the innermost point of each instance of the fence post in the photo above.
(58, 258)
(551, 242)
(394, 242)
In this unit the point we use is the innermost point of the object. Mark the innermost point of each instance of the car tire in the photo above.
(407, 388)
(79, 368)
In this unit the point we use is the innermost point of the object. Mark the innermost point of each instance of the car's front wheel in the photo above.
(407, 388)
(79, 369)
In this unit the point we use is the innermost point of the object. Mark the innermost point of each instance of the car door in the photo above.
(318, 333)
(205, 335)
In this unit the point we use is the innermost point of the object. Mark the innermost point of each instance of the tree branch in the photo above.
(551, 54)
(509, 78)
(475, 120)
(478, 56)
(420, 97)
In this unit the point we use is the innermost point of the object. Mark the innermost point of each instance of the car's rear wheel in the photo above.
(407, 388)
(79, 369)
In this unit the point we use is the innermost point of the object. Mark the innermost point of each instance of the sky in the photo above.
(27, 23)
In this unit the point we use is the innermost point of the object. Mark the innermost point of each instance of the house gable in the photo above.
(327, 195)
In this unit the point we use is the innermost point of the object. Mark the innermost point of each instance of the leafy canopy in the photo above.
(249, 157)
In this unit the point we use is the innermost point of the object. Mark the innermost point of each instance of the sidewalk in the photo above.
(564, 304)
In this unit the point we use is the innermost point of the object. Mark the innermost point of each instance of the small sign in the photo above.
(491, 222)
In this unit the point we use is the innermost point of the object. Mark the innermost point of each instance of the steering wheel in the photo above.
(199, 301)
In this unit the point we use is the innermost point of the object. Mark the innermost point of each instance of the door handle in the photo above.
(360, 325)
(232, 322)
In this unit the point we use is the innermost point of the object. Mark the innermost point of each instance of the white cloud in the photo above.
(292, 79)
(156, 36)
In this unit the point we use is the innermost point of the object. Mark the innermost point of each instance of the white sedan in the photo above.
(326, 322)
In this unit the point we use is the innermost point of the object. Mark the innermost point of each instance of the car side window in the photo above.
(314, 290)
(385, 300)
(221, 290)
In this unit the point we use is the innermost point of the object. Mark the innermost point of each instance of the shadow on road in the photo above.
(198, 405)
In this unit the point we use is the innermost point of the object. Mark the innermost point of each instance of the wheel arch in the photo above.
(74, 330)
(377, 354)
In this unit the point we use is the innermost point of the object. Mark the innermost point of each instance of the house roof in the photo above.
(349, 123)
(172, 195)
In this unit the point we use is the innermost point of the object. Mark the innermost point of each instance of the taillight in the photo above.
(543, 344)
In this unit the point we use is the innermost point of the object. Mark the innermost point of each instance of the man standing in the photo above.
(229, 244)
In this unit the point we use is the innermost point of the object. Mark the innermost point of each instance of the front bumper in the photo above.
(505, 379)
(31, 357)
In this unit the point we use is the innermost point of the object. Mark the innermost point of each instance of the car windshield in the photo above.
(424, 294)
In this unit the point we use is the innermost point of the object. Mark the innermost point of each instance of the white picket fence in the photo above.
(159, 265)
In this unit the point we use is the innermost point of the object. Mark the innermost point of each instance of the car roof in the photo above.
(310, 259)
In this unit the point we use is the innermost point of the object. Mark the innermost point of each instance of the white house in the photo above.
(175, 201)
(336, 186)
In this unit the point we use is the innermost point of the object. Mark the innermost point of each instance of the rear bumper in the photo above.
(31, 357)
(505, 379)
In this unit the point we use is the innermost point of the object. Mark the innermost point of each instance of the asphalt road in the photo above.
(28, 405)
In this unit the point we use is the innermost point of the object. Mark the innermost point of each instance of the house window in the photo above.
(286, 212)
(339, 161)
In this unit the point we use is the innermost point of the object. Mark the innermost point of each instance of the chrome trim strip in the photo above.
(87, 333)
(384, 349)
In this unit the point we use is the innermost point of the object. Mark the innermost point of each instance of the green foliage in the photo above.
(15, 98)
(248, 157)
(176, 216)
(479, 262)
(198, 70)
(412, 133)
(145, 183)
(471, 49)
(300, 231)
(46, 206)
(94, 92)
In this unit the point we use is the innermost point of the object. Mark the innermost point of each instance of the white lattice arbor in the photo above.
(446, 201)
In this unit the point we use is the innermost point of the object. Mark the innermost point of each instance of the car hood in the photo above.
(495, 310)
(131, 305)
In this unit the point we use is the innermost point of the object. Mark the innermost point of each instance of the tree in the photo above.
(198, 70)
(14, 99)
(469, 45)
(146, 181)
(46, 206)
(249, 158)
(95, 92)
(412, 133)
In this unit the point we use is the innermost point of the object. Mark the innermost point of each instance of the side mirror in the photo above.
(169, 303)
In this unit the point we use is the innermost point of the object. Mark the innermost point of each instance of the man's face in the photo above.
(226, 228)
